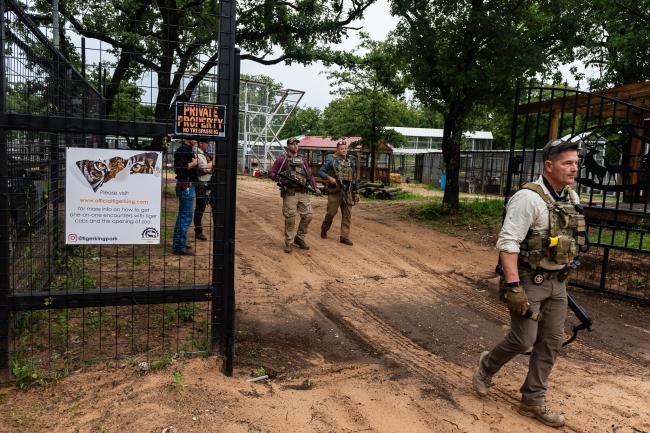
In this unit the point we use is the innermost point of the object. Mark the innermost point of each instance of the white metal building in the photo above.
(423, 140)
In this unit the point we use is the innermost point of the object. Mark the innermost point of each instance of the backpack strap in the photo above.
(532, 186)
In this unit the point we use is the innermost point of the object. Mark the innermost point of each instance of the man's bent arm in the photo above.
(509, 264)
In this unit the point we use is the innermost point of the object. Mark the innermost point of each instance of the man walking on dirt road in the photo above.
(294, 176)
(542, 233)
(340, 173)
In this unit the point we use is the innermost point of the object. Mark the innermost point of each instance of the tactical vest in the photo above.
(296, 169)
(344, 169)
(566, 236)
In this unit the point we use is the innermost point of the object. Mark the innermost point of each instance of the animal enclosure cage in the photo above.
(64, 303)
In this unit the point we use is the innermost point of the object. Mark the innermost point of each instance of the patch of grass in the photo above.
(259, 372)
(433, 187)
(483, 213)
(60, 328)
(186, 312)
(619, 238)
(25, 372)
(179, 382)
(160, 364)
(28, 321)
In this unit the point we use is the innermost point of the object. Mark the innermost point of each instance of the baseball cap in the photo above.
(293, 140)
(555, 147)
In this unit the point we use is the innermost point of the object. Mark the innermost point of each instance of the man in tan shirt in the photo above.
(538, 243)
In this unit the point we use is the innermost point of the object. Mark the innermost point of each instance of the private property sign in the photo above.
(200, 119)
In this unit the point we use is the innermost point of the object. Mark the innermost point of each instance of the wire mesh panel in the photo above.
(614, 177)
(84, 85)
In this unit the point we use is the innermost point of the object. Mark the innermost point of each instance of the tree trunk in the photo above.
(451, 141)
(373, 161)
(113, 88)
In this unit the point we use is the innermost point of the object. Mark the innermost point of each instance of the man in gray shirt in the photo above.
(542, 234)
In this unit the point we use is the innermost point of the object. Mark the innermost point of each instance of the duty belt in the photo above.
(539, 275)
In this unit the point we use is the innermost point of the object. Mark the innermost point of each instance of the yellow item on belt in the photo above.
(553, 240)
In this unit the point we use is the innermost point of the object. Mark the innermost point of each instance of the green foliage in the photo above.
(72, 273)
(179, 382)
(186, 312)
(261, 371)
(160, 364)
(461, 55)
(487, 213)
(25, 371)
(616, 40)
(304, 121)
(180, 37)
(29, 321)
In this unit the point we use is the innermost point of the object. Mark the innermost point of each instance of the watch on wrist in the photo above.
(512, 284)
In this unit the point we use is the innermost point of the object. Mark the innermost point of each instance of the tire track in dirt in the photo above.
(377, 335)
(495, 311)
(499, 313)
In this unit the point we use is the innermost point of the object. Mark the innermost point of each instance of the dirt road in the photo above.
(379, 337)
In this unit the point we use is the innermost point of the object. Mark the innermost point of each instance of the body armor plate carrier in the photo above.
(295, 170)
(566, 236)
(344, 169)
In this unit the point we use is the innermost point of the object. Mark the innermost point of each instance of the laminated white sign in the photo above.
(112, 196)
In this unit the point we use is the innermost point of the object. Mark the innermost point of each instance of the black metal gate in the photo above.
(62, 305)
(614, 179)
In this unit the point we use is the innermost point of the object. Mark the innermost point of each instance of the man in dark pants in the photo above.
(204, 172)
(541, 236)
(184, 165)
(340, 173)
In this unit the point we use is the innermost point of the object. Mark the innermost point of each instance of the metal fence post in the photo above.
(5, 220)
(222, 329)
(513, 139)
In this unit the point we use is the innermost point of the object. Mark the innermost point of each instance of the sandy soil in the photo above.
(379, 337)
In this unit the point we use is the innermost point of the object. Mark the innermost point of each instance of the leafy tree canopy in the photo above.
(172, 38)
(617, 41)
(460, 55)
(304, 121)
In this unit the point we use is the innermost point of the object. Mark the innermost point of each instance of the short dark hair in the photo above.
(555, 147)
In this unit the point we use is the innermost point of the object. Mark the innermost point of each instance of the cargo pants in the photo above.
(545, 337)
(292, 203)
(333, 203)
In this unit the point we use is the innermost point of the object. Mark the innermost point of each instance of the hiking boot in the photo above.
(346, 241)
(323, 234)
(300, 243)
(481, 380)
(201, 236)
(543, 413)
(287, 247)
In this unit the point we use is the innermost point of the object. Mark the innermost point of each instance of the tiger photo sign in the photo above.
(112, 196)
(200, 120)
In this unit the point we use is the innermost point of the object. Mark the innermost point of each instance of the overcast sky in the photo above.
(377, 23)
